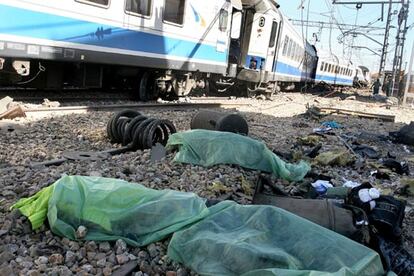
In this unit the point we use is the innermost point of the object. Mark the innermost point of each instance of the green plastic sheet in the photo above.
(112, 209)
(35, 208)
(225, 239)
(265, 240)
(208, 148)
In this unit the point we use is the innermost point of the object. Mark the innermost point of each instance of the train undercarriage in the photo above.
(143, 84)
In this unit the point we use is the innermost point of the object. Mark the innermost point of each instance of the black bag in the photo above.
(387, 216)
(405, 135)
(323, 212)
(395, 257)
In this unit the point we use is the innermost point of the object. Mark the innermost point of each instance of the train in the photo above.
(157, 48)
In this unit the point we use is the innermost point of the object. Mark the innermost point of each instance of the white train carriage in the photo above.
(272, 51)
(159, 46)
(175, 35)
(296, 59)
(333, 70)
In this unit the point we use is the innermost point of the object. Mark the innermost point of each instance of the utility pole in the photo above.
(408, 81)
(399, 49)
(387, 28)
(385, 44)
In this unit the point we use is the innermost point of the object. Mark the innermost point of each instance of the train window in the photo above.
(326, 67)
(322, 66)
(141, 7)
(295, 56)
(174, 11)
(294, 51)
(285, 44)
(272, 41)
(103, 3)
(223, 20)
(289, 52)
(297, 52)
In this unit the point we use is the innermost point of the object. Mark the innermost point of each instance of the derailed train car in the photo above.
(152, 46)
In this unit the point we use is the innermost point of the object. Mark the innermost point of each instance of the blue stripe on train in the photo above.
(287, 69)
(335, 80)
(33, 24)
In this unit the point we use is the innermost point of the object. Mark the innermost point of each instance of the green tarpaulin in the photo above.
(208, 148)
(112, 209)
(265, 240)
(226, 239)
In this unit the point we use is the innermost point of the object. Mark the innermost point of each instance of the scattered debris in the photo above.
(339, 158)
(398, 167)
(321, 186)
(247, 189)
(15, 112)
(218, 188)
(158, 152)
(52, 104)
(126, 269)
(405, 135)
(366, 151)
(4, 104)
(332, 125)
(310, 140)
(340, 111)
(351, 98)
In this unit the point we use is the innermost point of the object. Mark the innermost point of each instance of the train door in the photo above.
(273, 43)
(235, 40)
(259, 41)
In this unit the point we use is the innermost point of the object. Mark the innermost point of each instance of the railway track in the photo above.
(34, 112)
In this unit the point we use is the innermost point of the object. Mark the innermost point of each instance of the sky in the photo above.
(320, 10)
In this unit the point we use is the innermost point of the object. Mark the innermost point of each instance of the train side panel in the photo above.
(192, 36)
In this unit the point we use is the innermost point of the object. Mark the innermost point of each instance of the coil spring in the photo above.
(136, 131)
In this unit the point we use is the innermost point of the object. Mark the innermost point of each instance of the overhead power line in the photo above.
(324, 24)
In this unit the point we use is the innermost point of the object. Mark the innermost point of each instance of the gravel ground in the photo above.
(278, 123)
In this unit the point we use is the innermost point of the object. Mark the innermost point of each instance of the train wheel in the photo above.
(148, 89)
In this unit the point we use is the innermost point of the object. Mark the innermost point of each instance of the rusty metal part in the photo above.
(55, 162)
(85, 155)
(135, 131)
(213, 120)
